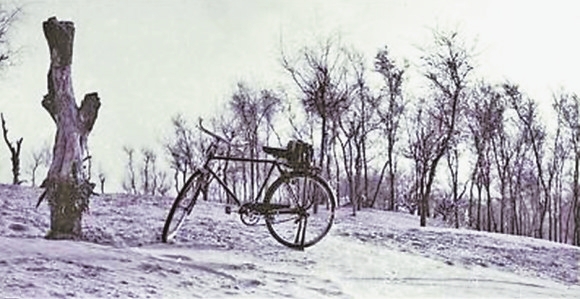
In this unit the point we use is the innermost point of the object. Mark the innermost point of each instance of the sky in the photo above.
(150, 60)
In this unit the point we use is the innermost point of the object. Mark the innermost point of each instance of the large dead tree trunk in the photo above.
(67, 188)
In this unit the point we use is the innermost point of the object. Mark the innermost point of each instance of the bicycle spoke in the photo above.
(303, 200)
(292, 192)
(180, 222)
(278, 221)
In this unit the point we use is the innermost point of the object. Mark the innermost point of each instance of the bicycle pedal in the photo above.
(228, 210)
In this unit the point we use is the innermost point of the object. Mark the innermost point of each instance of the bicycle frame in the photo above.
(275, 164)
(283, 202)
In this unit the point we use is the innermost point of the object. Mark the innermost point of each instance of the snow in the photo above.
(373, 255)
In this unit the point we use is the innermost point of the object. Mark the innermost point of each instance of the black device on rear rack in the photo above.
(299, 155)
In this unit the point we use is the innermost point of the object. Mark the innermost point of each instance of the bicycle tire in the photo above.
(304, 220)
(182, 206)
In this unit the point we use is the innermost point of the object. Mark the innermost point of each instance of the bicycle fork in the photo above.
(303, 217)
(300, 238)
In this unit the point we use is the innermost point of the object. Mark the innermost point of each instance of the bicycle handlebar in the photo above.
(210, 133)
(218, 137)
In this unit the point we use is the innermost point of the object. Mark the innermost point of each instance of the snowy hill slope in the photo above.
(376, 254)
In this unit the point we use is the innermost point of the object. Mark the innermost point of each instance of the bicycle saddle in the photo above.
(276, 152)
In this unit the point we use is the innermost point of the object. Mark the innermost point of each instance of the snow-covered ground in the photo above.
(373, 255)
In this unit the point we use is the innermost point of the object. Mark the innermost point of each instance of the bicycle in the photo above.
(298, 207)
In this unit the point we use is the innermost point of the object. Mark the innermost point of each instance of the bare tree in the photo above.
(254, 112)
(362, 96)
(148, 172)
(102, 179)
(451, 207)
(229, 128)
(510, 150)
(130, 182)
(447, 67)
(14, 153)
(300, 130)
(389, 106)
(568, 107)
(407, 189)
(355, 126)
(519, 147)
(153, 179)
(560, 151)
(162, 184)
(484, 112)
(351, 128)
(142, 173)
(67, 185)
(40, 157)
(527, 113)
(8, 17)
(507, 145)
(37, 161)
(182, 150)
(421, 150)
(320, 74)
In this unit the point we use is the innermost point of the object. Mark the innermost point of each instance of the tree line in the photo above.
(475, 153)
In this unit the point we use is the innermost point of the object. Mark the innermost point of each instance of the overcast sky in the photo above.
(150, 60)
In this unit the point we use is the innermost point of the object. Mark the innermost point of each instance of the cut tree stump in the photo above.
(67, 186)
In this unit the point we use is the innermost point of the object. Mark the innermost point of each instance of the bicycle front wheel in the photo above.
(302, 209)
(182, 206)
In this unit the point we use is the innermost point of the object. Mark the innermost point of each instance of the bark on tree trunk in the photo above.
(67, 188)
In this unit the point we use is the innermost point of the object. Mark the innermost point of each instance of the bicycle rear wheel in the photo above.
(182, 206)
(304, 209)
